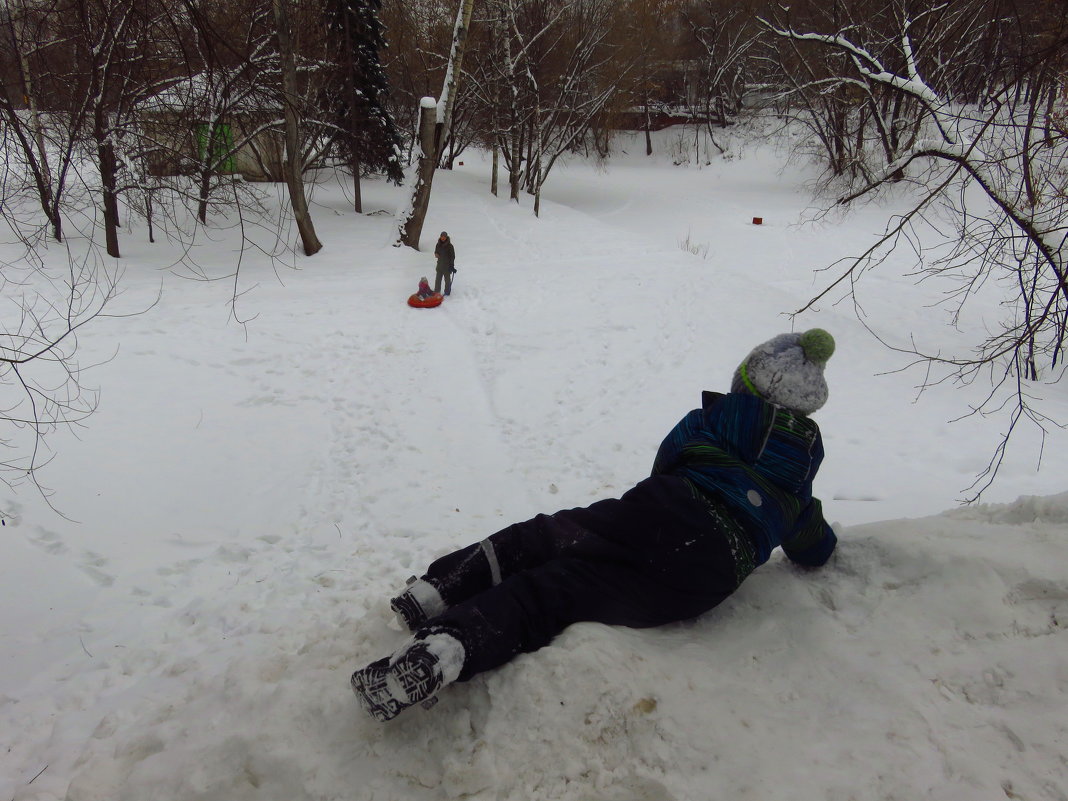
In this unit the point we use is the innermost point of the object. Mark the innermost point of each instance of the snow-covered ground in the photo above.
(247, 498)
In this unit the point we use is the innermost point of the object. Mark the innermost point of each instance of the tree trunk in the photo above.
(514, 178)
(357, 192)
(149, 218)
(108, 183)
(447, 102)
(536, 159)
(496, 168)
(293, 166)
(648, 130)
(202, 201)
(515, 164)
(354, 127)
(412, 227)
(45, 182)
(1049, 127)
(495, 109)
(31, 142)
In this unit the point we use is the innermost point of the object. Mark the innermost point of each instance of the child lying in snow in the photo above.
(732, 481)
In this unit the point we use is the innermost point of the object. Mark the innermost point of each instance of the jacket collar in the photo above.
(709, 398)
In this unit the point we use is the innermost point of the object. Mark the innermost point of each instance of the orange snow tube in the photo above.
(425, 303)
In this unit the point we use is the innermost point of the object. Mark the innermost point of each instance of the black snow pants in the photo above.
(657, 555)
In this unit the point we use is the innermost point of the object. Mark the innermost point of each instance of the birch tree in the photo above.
(506, 85)
(411, 224)
(419, 35)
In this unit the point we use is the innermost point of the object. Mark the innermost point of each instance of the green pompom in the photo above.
(818, 345)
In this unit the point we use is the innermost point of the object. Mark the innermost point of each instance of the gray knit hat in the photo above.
(787, 370)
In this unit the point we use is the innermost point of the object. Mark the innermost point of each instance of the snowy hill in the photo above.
(246, 499)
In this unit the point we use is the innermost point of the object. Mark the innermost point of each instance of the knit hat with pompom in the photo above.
(787, 370)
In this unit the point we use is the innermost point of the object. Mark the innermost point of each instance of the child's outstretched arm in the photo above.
(813, 541)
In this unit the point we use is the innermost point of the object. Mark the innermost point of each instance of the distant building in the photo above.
(237, 125)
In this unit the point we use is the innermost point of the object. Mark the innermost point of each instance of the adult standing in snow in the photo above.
(730, 483)
(446, 256)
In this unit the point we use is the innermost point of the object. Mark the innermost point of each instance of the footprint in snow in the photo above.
(47, 541)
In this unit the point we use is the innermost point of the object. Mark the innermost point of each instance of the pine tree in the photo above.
(368, 136)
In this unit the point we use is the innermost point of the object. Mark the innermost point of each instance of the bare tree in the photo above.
(81, 66)
(41, 389)
(294, 152)
(581, 87)
(725, 39)
(1014, 150)
(224, 100)
(25, 129)
(648, 34)
(554, 70)
(114, 64)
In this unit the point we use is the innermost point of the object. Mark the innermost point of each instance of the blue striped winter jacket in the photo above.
(758, 460)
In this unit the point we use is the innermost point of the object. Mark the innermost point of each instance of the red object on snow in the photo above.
(417, 302)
